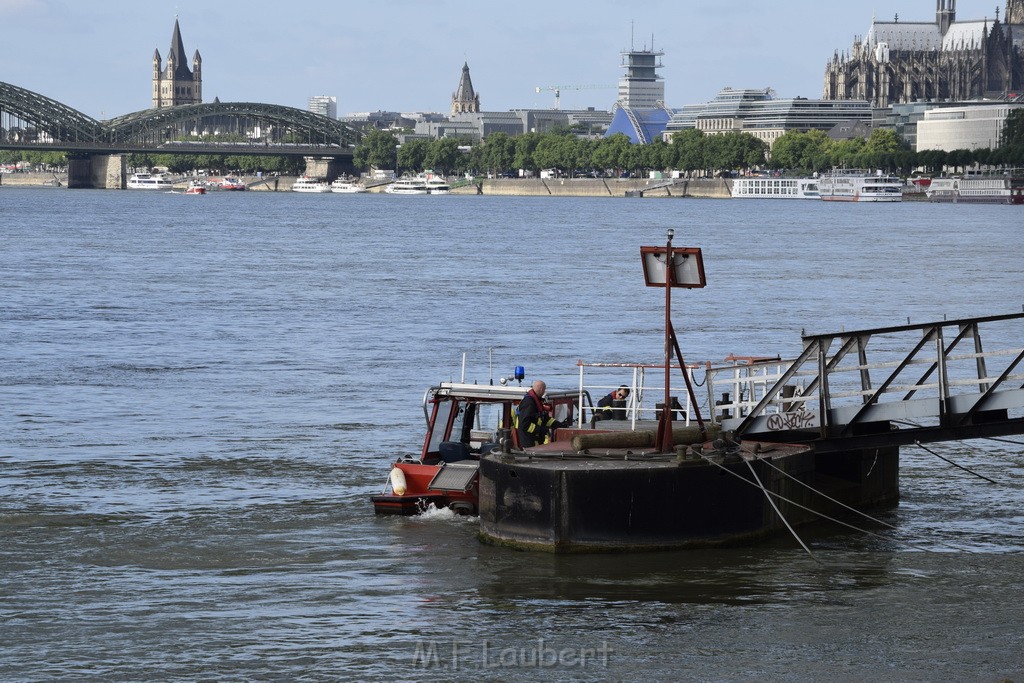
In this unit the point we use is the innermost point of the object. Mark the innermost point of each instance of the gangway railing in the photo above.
(937, 372)
(740, 376)
(638, 407)
(938, 375)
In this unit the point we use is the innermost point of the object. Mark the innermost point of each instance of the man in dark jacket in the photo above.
(615, 400)
(534, 418)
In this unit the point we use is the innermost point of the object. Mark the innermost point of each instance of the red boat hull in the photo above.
(418, 495)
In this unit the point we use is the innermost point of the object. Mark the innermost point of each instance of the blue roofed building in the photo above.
(640, 112)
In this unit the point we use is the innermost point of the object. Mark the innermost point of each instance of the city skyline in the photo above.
(97, 57)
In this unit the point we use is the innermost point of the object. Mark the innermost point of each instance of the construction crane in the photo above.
(559, 88)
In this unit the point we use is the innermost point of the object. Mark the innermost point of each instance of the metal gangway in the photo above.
(914, 383)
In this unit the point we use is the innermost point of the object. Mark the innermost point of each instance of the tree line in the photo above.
(690, 152)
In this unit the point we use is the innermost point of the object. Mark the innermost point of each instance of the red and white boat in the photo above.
(231, 184)
(195, 189)
(464, 421)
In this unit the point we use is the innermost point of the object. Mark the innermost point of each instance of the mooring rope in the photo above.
(826, 496)
(969, 471)
(842, 504)
(823, 515)
(996, 438)
(779, 512)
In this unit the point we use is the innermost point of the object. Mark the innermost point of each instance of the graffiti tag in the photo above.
(778, 422)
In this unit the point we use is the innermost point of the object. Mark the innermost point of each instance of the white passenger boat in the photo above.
(424, 183)
(308, 184)
(851, 185)
(149, 181)
(344, 186)
(436, 185)
(411, 185)
(1005, 188)
(775, 188)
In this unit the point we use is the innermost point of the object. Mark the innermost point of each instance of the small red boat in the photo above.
(232, 184)
(195, 189)
(464, 421)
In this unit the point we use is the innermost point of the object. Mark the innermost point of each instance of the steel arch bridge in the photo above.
(56, 125)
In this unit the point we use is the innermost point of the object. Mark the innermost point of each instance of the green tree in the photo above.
(377, 149)
(412, 154)
(801, 151)
(884, 140)
(689, 149)
(611, 153)
(526, 145)
(442, 155)
(498, 153)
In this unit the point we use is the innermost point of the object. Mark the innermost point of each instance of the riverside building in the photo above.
(757, 111)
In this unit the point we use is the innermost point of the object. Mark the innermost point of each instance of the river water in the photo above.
(199, 394)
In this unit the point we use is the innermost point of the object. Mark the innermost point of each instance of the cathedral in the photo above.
(177, 84)
(898, 62)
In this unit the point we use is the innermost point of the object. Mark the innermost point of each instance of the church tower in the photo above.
(1014, 12)
(464, 100)
(177, 84)
(945, 15)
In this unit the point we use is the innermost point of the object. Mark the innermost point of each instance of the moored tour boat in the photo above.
(411, 185)
(852, 185)
(996, 188)
(775, 188)
(149, 181)
(424, 183)
(308, 184)
(345, 186)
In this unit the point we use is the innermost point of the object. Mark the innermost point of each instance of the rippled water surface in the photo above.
(198, 395)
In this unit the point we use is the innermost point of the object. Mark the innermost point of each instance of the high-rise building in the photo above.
(324, 105)
(177, 84)
(640, 112)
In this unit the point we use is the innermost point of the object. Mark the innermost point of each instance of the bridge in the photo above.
(30, 121)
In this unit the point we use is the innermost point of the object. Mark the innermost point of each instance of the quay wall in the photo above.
(712, 188)
(601, 187)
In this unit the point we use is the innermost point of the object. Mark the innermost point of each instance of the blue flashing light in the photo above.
(520, 372)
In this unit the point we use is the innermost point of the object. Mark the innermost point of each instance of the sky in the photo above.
(407, 56)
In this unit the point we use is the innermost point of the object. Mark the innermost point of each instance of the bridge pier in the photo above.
(328, 167)
(103, 171)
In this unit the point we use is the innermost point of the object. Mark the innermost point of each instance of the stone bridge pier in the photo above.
(103, 171)
(328, 167)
